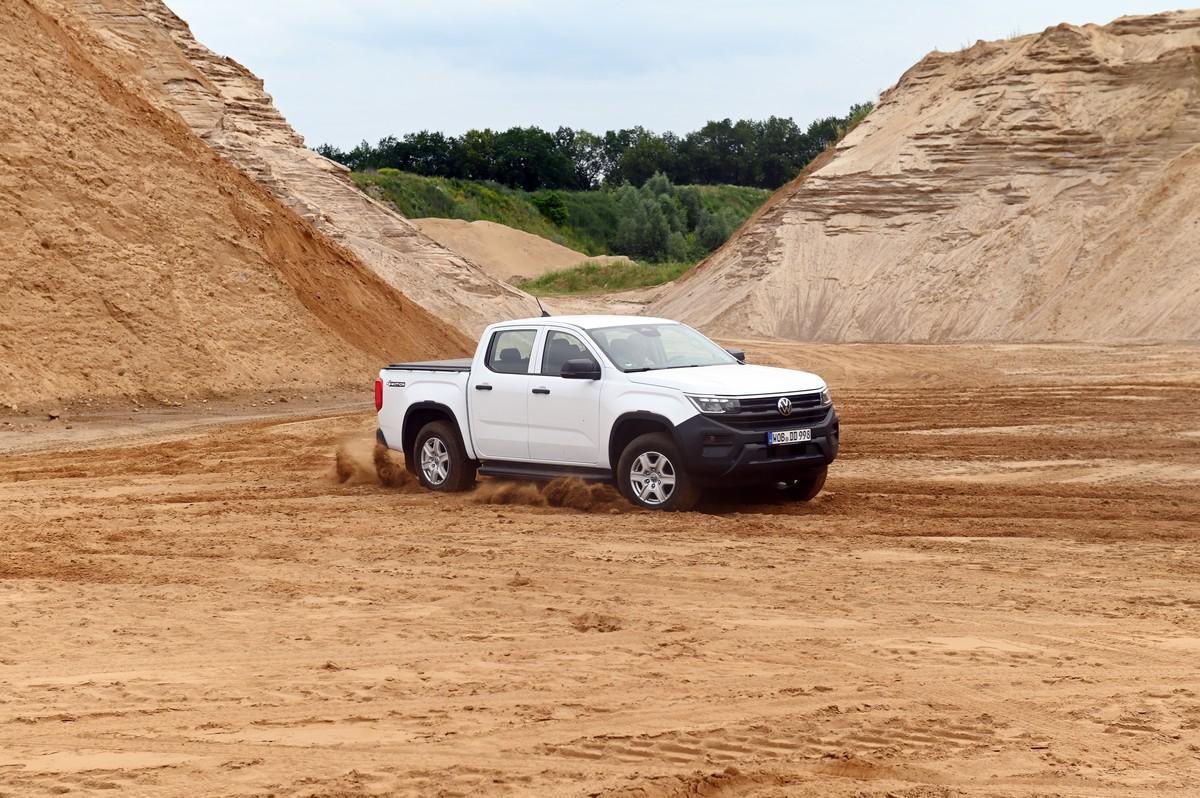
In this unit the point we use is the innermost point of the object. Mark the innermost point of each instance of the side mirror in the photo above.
(580, 368)
(740, 354)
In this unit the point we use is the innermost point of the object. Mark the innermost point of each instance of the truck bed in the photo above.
(458, 364)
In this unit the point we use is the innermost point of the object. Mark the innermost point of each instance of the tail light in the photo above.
(378, 394)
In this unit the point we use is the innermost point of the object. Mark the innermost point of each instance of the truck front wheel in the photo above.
(442, 463)
(650, 474)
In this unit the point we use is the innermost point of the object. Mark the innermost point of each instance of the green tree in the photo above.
(689, 199)
(642, 230)
(475, 155)
(764, 153)
(529, 158)
(646, 156)
(715, 229)
(677, 247)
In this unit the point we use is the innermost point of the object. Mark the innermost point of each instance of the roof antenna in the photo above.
(545, 313)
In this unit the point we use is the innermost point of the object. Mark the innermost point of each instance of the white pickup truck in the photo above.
(649, 404)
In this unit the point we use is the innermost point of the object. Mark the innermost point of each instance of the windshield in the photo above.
(646, 347)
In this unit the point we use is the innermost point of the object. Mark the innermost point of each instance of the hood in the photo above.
(731, 380)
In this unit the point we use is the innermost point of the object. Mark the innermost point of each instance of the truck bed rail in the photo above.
(462, 364)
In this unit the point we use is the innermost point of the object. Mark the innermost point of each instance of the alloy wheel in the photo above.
(435, 461)
(652, 477)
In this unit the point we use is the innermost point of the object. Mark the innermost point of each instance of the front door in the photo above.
(564, 415)
(498, 397)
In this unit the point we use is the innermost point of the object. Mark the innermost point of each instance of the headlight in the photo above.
(826, 399)
(715, 404)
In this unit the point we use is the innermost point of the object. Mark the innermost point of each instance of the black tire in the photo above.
(806, 486)
(439, 460)
(666, 484)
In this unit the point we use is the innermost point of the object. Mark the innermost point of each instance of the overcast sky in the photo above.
(354, 69)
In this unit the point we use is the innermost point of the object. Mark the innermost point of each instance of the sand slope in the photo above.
(225, 103)
(1042, 188)
(135, 261)
(502, 251)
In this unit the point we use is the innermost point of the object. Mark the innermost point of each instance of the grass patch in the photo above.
(594, 277)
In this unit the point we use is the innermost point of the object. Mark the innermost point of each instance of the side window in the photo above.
(561, 347)
(509, 351)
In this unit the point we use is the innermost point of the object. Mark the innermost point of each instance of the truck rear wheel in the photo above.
(441, 462)
(806, 486)
(651, 475)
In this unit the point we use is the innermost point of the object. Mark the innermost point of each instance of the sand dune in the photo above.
(502, 251)
(137, 262)
(225, 103)
(1041, 188)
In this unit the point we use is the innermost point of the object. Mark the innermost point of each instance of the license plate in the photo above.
(789, 436)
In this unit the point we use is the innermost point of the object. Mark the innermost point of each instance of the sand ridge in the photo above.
(1040, 188)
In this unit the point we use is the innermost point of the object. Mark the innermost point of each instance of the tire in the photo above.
(439, 460)
(806, 486)
(650, 475)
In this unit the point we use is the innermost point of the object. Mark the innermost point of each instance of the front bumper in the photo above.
(722, 453)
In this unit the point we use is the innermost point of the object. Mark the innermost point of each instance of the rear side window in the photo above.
(509, 351)
(561, 347)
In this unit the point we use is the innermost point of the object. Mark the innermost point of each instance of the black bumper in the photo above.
(724, 453)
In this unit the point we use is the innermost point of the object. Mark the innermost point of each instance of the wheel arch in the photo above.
(630, 425)
(417, 416)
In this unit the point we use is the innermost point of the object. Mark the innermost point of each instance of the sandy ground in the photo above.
(995, 596)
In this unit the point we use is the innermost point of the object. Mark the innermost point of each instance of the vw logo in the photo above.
(785, 406)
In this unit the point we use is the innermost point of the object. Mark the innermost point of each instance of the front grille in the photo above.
(762, 412)
(799, 401)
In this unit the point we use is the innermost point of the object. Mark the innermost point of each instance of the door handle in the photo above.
(541, 390)
(483, 387)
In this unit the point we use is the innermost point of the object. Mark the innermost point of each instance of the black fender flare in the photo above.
(634, 415)
(408, 435)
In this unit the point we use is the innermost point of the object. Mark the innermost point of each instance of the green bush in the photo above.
(550, 204)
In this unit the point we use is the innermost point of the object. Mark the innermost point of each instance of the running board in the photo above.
(542, 472)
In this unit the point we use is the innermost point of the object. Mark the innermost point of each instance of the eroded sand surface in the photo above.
(1017, 190)
(996, 595)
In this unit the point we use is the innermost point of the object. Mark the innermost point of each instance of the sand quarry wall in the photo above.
(225, 104)
(136, 261)
(1041, 188)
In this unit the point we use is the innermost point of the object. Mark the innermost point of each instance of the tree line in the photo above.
(763, 153)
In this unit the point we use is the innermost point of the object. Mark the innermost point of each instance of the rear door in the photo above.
(498, 396)
(564, 415)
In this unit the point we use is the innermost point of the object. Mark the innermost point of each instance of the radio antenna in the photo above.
(545, 313)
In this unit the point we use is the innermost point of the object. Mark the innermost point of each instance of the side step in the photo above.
(542, 472)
